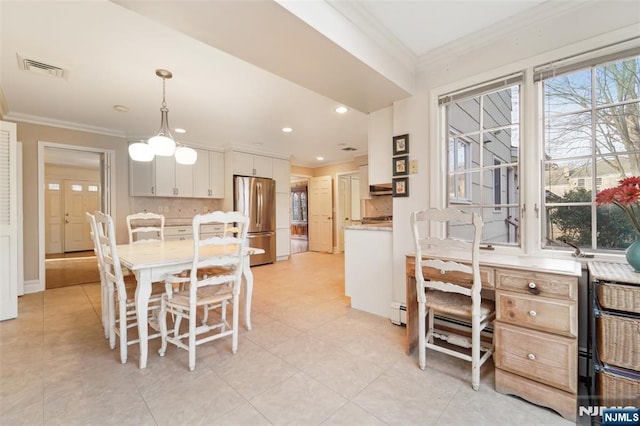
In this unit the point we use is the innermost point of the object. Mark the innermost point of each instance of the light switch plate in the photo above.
(413, 166)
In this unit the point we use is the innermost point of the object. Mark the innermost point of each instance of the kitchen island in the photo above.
(368, 267)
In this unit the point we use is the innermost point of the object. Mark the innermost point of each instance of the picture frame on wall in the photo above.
(400, 165)
(401, 187)
(401, 144)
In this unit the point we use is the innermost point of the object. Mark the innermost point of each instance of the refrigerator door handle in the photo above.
(259, 199)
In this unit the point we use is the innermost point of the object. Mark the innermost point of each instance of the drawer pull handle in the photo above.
(532, 313)
(531, 356)
(533, 288)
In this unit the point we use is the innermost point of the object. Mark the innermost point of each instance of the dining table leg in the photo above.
(248, 280)
(143, 293)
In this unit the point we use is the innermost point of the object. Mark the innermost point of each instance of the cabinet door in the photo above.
(380, 146)
(216, 174)
(364, 183)
(263, 166)
(242, 164)
(165, 176)
(283, 243)
(141, 178)
(183, 180)
(281, 174)
(201, 178)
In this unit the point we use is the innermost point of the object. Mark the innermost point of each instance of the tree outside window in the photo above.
(592, 140)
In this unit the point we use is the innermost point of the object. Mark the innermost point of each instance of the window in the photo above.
(591, 119)
(299, 204)
(483, 134)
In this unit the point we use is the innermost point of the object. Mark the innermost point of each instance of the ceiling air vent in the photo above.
(349, 148)
(40, 67)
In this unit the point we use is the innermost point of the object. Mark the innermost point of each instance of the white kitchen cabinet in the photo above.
(282, 175)
(208, 173)
(283, 243)
(141, 178)
(364, 182)
(173, 179)
(380, 146)
(246, 164)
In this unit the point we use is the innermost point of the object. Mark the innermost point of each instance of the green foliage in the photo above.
(573, 223)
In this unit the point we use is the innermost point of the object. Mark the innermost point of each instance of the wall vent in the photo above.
(349, 148)
(39, 67)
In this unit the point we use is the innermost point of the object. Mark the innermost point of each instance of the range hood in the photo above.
(380, 189)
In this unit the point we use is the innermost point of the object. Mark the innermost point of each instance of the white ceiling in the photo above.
(242, 69)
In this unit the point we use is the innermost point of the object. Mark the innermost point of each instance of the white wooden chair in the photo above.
(452, 299)
(104, 289)
(214, 279)
(120, 295)
(139, 224)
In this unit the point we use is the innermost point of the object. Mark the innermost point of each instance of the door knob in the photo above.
(66, 221)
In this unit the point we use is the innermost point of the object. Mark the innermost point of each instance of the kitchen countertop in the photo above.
(384, 226)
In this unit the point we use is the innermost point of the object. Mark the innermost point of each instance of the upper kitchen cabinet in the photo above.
(246, 164)
(364, 182)
(208, 173)
(380, 146)
(141, 178)
(173, 179)
(282, 175)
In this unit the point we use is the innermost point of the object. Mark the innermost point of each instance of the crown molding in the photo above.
(33, 119)
(506, 27)
(372, 28)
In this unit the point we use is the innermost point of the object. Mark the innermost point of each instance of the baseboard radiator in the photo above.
(398, 316)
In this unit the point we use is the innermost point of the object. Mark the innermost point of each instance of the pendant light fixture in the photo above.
(163, 143)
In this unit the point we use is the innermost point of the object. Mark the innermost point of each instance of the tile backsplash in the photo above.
(174, 208)
(381, 205)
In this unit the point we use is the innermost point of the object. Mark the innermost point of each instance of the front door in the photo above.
(80, 196)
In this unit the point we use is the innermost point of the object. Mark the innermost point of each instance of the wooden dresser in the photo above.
(536, 326)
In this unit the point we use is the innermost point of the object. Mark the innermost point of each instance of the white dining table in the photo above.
(151, 262)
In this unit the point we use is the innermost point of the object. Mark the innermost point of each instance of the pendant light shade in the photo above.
(163, 143)
(140, 151)
(186, 155)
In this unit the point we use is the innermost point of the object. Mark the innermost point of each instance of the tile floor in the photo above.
(310, 359)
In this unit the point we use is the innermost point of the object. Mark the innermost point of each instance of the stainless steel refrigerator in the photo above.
(256, 198)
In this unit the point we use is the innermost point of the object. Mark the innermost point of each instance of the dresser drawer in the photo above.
(539, 356)
(554, 315)
(537, 283)
(486, 276)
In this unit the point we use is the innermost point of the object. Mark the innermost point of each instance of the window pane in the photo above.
(618, 82)
(54, 186)
(76, 188)
(501, 226)
(567, 93)
(563, 177)
(464, 115)
(614, 228)
(569, 223)
(568, 135)
(92, 188)
(616, 127)
(501, 108)
(611, 168)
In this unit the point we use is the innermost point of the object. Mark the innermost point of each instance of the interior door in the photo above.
(8, 222)
(80, 196)
(320, 214)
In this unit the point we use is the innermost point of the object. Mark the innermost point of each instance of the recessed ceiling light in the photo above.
(287, 129)
(121, 108)
(342, 109)
(179, 130)
(319, 158)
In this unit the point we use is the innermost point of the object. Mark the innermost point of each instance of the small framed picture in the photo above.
(401, 187)
(400, 144)
(400, 165)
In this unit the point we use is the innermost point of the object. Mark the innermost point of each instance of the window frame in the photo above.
(531, 154)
